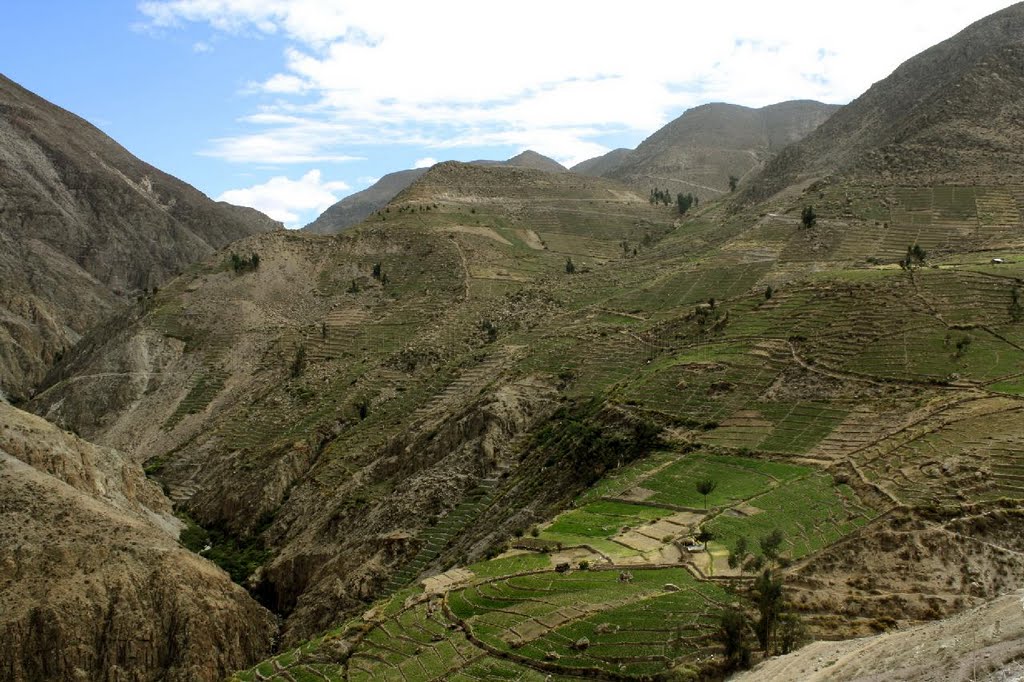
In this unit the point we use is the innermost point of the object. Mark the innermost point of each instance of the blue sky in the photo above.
(289, 105)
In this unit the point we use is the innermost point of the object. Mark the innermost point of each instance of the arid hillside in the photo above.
(84, 228)
(356, 207)
(93, 583)
(698, 152)
(950, 115)
(338, 399)
(528, 425)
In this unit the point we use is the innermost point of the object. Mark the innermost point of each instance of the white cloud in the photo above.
(425, 162)
(293, 202)
(201, 47)
(553, 76)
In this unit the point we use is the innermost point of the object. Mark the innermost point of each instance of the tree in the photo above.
(738, 554)
(771, 544)
(1016, 311)
(684, 202)
(733, 180)
(792, 633)
(490, 329)
(768, 593)
(768, 293)
(363, 408)
(705, 487)
(376, 271)
(299, 361)
(570, 267)
(808, 217)
(732, 633)
(705, 536)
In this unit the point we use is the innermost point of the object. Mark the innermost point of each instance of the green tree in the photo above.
(768, 595)
(808, 218)
(376, 271)
(705, 487)
(298, 361)
(792, 633)
(768, 293)
(738, 554)
(733, 627)
(771, 544)
(570, 267)
(733, 181)
(705, 536)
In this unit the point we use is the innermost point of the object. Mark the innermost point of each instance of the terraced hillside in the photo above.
(522, 424)
(698, 152)
(349, 393)
(855, 402)
(867, 412)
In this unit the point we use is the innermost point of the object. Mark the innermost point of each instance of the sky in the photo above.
(290, 105)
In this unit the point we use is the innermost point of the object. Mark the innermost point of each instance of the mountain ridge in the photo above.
(356, 207)
(85, 227)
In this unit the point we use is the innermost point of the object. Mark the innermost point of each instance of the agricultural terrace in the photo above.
(616, 585)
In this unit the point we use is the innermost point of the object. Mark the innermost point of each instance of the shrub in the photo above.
(808, 218)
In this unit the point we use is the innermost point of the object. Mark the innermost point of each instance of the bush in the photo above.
(240, 264)
(808, 218)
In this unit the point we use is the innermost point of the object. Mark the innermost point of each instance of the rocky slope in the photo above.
(948, 115)
(984, 643)
(84, 227)
(93, 584)
(333, 413)
(355, 208)
(697, 152)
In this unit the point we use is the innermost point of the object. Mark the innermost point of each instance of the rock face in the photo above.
(84, 226)
(93, 585)
(697, 152)
(952, 114)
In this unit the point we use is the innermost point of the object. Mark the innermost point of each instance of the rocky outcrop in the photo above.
(84, 227)
(93, 583)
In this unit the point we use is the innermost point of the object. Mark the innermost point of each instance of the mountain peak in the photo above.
(951, 113)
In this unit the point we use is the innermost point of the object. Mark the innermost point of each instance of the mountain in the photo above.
(602, 165)
(949, 115)
(531, 159)
(355, 208)
(85, 227)
(697, 152)
(521, 423)
(93, 584)
(282, 403)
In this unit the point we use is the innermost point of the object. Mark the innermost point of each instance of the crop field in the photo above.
(837, 397)
(812, 512)
(952, 456)
(596, 523)
(633, 627)
(740, 478)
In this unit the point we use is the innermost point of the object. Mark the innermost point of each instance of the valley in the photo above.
(504, 420)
